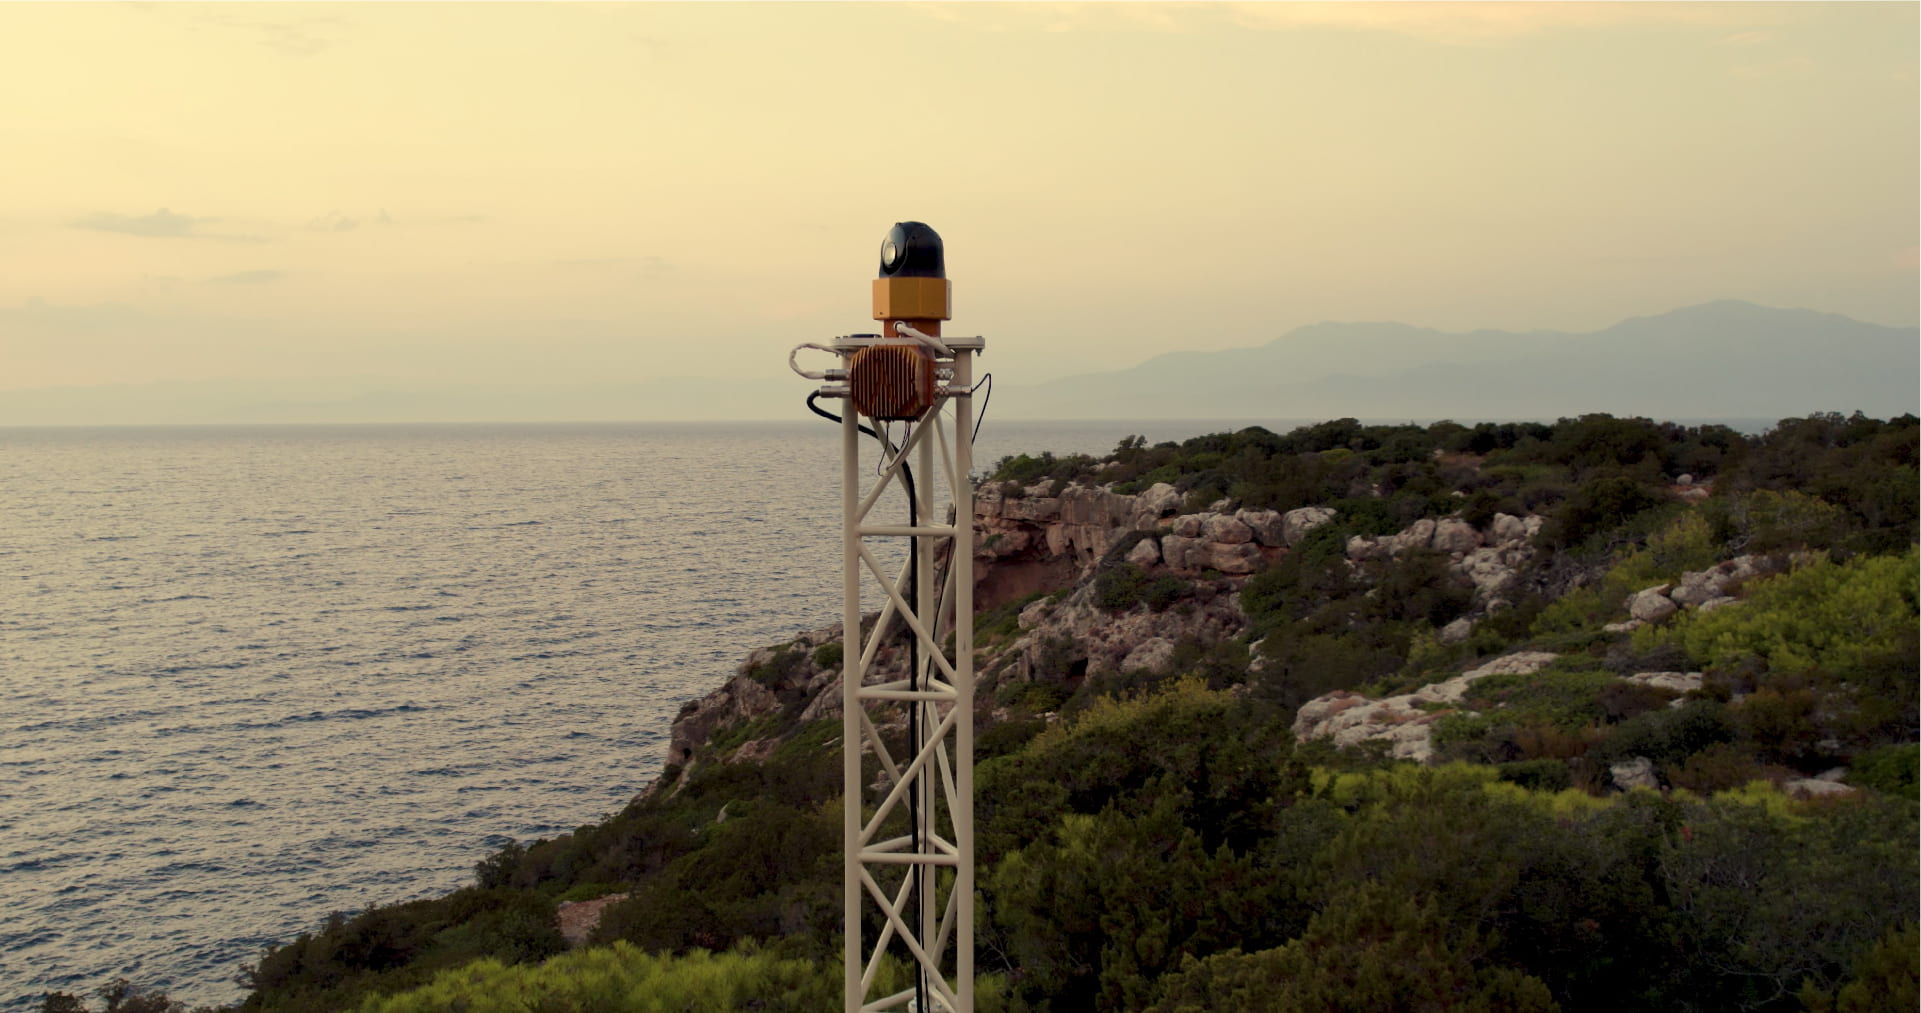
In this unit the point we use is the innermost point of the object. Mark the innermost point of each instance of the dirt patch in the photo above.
(577, 919)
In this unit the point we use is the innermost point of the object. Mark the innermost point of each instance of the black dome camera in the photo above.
(912, 250)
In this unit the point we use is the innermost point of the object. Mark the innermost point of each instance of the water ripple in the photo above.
(258, 674)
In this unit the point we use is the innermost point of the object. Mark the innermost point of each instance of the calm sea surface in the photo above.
(251, 675)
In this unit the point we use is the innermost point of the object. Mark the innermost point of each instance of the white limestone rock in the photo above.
(1651, 605)
(1634, 772)
(1295, 524)
(1235, 559)
(1673, 682)
(1418, 535)
(1518, 663)
(1152, 655)
(1191, 525)
(1225, 530)
(1814, 787)
(1507, 529)
(1267, 526)
(1145, 552)
(1406, 721)
(1155, 502)
(1455, 536)
(1183, 553)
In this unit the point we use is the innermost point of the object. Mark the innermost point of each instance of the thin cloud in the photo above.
(298, 37)
(334, 221)
(162, 224)
(247, 278)
(1445, 22)
(1475, 22)
(645, 264)
(1793, 66)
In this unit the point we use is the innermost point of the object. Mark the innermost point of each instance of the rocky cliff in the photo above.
(1051, 541)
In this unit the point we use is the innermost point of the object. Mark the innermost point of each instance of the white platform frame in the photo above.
(937, 865)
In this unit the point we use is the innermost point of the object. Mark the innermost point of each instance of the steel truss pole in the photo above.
(908, 821)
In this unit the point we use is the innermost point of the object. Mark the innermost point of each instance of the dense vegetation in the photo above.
(1165, 844)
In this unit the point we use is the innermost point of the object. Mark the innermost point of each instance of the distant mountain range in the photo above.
(1718, 360)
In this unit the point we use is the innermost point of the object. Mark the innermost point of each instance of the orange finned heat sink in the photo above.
(892, 382)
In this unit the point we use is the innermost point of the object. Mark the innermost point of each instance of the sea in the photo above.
(251, 675)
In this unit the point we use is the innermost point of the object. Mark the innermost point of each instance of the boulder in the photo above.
(1267, 526)
(1634, 772)
(1145, 552)
(1182, 552)
(1698, 587)
(1651, 605)
(1157, 501)
(1814, 787)
(1518, 663)
(1295, 524)
(1418, 535)
(1226, 530)
(1455, 536)
(1238, 558)
(1674, 682)
(1191, 525)
(1491, 567)
(1152, 655)
(1456, 631)
(1349, 719)
(1507, 529)
(1359, 548)
(1693, 589)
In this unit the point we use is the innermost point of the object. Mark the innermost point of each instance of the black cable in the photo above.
(913, 658)
(986, 380)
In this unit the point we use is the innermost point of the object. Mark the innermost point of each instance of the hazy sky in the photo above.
(610, 191)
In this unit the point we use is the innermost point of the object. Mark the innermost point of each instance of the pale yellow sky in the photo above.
(605, 191)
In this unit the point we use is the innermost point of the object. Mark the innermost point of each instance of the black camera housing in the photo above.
(912, 250)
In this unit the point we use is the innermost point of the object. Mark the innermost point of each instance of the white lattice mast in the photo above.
(908, 844)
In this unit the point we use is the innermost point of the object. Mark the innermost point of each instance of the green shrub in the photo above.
(1838, 621)
(780, 667)
(623, 979)
(1668, 736)
(1595, 508)
(1559, 698)
(1538, 775)
(1373, 951)
(828, 656)
(1121, 587)
(1889, 769)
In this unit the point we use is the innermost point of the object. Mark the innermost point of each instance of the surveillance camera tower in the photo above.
(908, 845)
